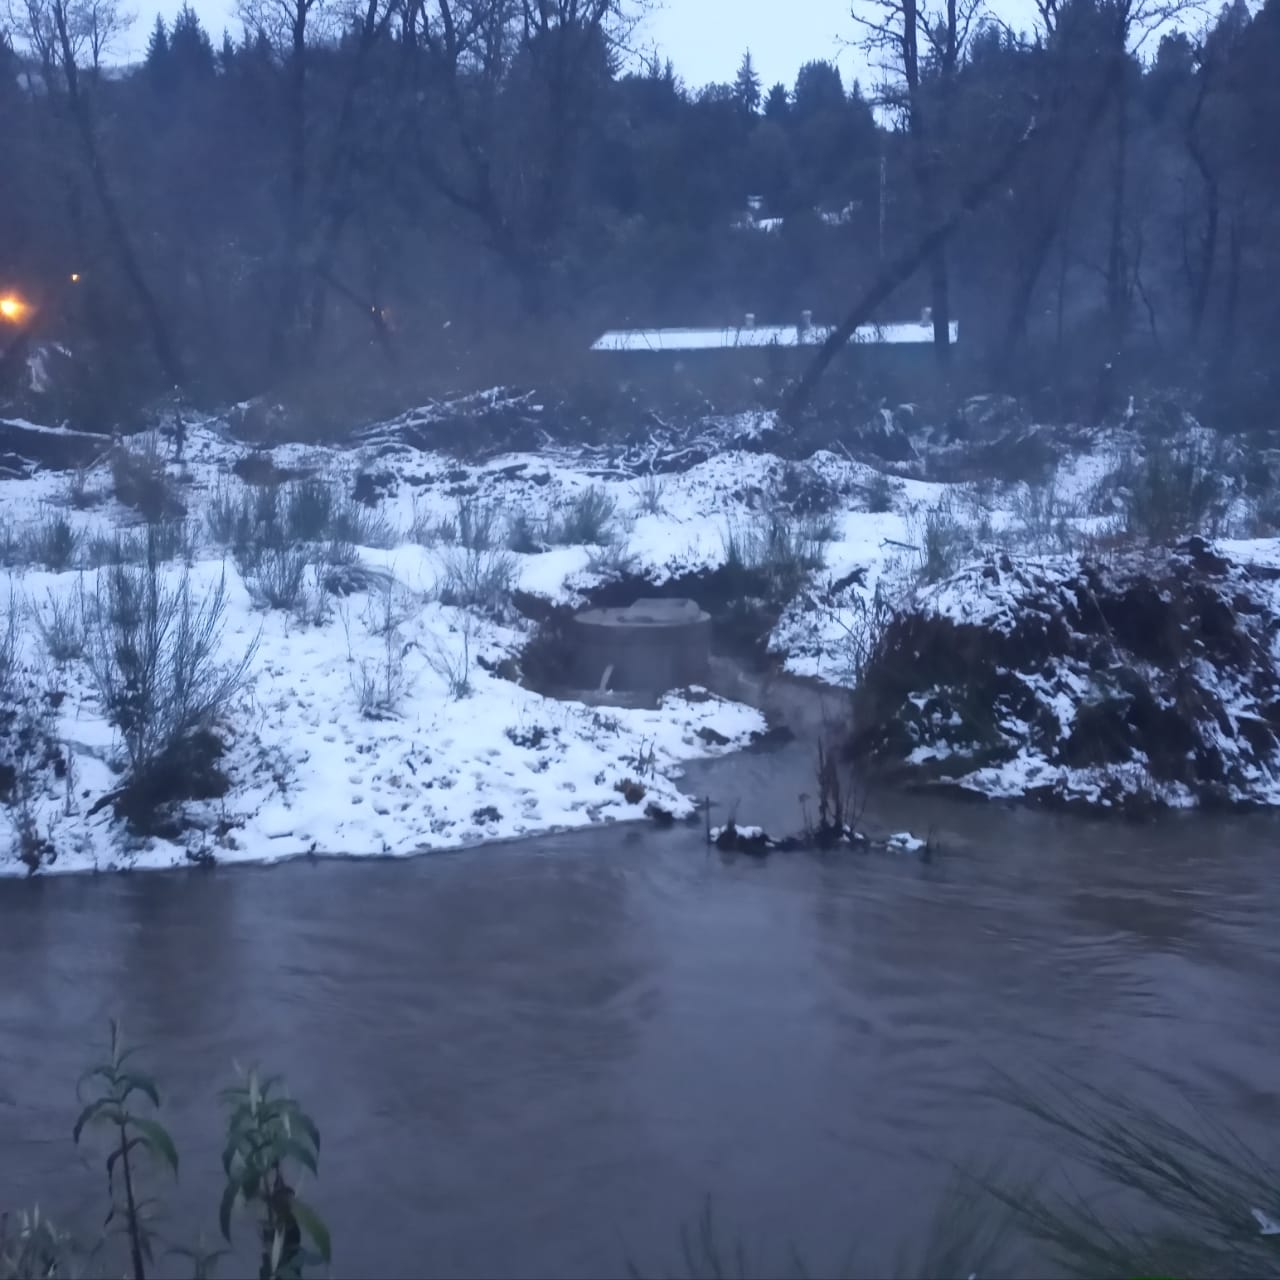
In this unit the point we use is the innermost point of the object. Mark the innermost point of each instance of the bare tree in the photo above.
(57, 33)
(900, 269)
(514, 80)
(101, 23)
(903, 35)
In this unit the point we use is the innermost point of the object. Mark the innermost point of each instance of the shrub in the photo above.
(153, 658)
(278, 579)
(524, 536)
(9, 631)
(863, 624)
(427, 531)
(115, 549)
(379, 687)
(28, 748)
(587, 519)
(269, 1141)
(652, 489)
(453, 663)
(477, 525)
(389, 607)
(61, 626)
(943, 543)
(613, 560)
(170, 540)
(315, 605)
(880, 492)
(1171, 492)
(357, 524)
(228, 514)
(12, 546)
(140, 480)
(773, 545)
(79, 495)
(309, 510)
(477, 579)
(1043, 517)
(52, 543)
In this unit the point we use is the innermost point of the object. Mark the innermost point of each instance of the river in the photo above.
(540, 1059)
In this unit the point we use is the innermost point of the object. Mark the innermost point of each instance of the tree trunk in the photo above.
(925, 166)
(166, 353)
(279, 346)
(1117, 258)
(1230, 309)
(902, 268)
(1201, 271)
(1037, 252)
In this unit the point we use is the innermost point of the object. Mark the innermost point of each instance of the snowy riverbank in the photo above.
(382, 711)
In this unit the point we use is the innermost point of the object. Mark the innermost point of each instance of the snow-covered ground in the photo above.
(447, 766)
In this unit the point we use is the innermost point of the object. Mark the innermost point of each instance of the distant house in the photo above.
(752, 218)
(752, 336)
(708, 359)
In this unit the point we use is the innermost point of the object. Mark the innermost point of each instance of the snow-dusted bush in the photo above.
(115, 548)
(586, 520)
(140, 479)
(1173, 491)
(78, 494)
(309, 508)
(652, 490)
(226, 514)
(943, 540)
(380, 686)
(775, 546)
(28, 748)
(477, 579)
(9, 630)
(477, 525)
(1043, 516)
(525, 536)
(428, 530)
(51, 543)
(352, 522)
(153, 654)
(879, 492)
(60, 622)
(278, 579)
(611, 560)
(452, 662)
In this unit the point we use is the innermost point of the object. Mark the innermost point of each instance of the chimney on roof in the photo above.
(806, 321)
(750, 321)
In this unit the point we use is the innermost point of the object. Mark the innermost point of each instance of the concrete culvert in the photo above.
(647, 647)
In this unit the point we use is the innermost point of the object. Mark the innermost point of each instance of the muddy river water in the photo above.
(540, 1059)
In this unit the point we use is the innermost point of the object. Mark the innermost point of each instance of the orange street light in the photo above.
(13, 309)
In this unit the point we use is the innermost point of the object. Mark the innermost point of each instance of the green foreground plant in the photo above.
(1168, 1198)
(270, 1142)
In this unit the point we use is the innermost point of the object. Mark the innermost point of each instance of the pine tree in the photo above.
(777, 103)
(157, 48)
(190, 46)
(746, 87)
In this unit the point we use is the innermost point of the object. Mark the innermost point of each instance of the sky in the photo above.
(704, 38)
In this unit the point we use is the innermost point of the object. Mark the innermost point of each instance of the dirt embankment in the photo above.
(1150, 679)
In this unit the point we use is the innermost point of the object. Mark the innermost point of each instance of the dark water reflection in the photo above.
(540, 1059)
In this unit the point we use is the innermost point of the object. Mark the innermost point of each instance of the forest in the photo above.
(364, 204)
